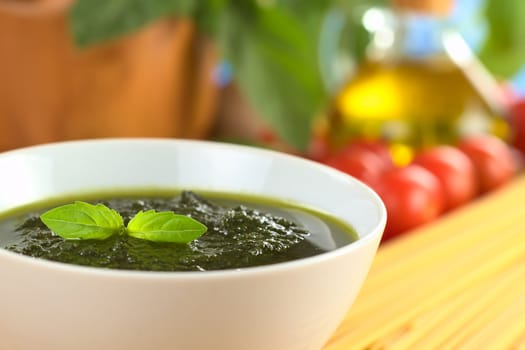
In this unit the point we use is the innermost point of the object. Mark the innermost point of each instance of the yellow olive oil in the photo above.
(412, 104)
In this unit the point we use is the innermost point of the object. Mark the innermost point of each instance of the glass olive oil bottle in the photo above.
(419, 84)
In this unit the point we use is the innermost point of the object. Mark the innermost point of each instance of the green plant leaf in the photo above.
(274, 56)
(207, 14)
(165, 226)
(82, 220)
(93, 21)
(503, 51)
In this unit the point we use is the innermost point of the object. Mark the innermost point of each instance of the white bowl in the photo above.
(290, 306)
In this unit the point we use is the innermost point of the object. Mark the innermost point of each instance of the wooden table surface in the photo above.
(457, 283)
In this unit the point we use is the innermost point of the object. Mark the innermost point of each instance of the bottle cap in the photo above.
(432, 7)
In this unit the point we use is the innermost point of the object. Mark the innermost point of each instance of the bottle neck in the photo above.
(410, 34)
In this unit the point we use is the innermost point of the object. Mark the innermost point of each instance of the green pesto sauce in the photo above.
(243, 231)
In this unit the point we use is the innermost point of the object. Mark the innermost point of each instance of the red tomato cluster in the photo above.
(517, 123)
(438, 180)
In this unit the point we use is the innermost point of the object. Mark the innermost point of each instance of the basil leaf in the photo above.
(207, 14)
(94, 21)
(503, 51)
(82, 220)
(165, 226)
(274, 58)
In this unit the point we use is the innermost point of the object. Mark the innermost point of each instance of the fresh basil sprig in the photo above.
(165, 227)
(81, 220)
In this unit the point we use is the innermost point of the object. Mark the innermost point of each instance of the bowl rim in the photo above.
(368, 238)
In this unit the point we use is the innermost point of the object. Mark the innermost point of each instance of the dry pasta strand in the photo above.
(472, 316)
(507, 326)
(455, 283)
(366, 330)
(392, 298)
(438, 323)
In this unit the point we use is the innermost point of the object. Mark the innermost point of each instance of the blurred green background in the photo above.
(270, 49)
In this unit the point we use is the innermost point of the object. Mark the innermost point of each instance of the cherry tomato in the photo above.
(493, 160)
(412, 195)
(318, 148)
(360, 163)
(378, 147)
(455, 172)
(517, 121)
